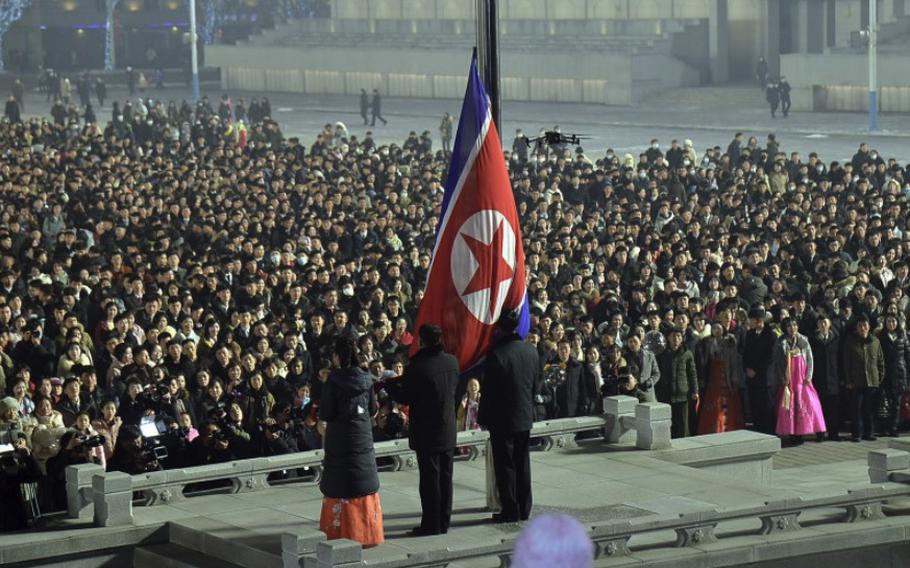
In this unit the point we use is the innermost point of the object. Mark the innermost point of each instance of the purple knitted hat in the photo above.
(552, 540)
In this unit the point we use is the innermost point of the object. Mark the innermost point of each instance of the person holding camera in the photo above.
(35, 351)
(73, 451)
(428, 387)
(212, 446)
(83, 428)
(132, 455)
(278, 432)
(19, 470)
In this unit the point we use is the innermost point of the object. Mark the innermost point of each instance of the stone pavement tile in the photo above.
(211, 504)
(261, 519)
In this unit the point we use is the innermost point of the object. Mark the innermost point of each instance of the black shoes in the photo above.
(499, 518)
(420, 531)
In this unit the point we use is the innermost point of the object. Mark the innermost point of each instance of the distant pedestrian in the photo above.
(131, 80)
(445, 132)
(520, 146)
(761, 72)
(19, 93)
(100, 91)
(159, 78)
(12, 110)
(772, 95)
(364, 106)
(376, 107)
(784, 88)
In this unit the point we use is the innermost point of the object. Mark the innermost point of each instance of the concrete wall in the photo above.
(523, 9)
(440, 73)
(820, 83)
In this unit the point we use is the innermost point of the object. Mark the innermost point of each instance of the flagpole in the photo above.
(488, 55)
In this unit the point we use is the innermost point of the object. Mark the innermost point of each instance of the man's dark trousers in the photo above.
(512, 463)
(865, 404)
(436, 489)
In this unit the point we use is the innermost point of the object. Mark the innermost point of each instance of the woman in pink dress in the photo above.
(799, 411)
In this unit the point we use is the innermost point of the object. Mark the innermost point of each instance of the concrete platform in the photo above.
(596, 483)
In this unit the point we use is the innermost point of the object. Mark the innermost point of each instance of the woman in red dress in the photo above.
(721, 408)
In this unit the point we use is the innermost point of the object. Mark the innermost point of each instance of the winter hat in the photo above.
(553, 540)
(9, 403)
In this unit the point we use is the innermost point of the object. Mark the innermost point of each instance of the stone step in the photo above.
(175, 556)
(228, 543)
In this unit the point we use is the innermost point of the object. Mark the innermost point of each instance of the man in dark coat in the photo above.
(564, 377)
(428, 387)
(772, 95)
(862, 368)
(679, 382)
(364, 106)
(784, 88)
(511, 381)
(12, 110)
(376, 107)
(757, 349)
(825, 344)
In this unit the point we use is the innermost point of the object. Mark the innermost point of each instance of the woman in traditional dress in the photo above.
(721, 409)
(350, 481)
(799, 411)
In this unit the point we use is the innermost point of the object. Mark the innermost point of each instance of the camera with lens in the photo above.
(152, 395)
(219, 415)
(89, 442)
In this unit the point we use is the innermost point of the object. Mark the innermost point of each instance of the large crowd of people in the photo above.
(184, 270)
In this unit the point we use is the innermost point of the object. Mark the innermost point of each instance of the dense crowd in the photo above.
(172, 282)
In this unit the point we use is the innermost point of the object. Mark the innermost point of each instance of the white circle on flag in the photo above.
(473, 282)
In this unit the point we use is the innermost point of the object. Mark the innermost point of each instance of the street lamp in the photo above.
(871, 35)
(194, 60)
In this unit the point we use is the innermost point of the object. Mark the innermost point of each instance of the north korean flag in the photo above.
(478, 265)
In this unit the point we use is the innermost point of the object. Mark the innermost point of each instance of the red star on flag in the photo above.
(492, 268)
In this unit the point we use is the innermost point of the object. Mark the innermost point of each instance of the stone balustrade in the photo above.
(613, 539)
(626, 422)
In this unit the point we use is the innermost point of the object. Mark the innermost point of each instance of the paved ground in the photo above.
(706, 116)
(595, 483)
(811, 453)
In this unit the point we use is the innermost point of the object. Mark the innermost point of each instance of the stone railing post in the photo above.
(112, 493)
(882, 463)
(652, 423)
(79, 489)
(493, 504)
(294, 546)
(620, 411)
(336, 554)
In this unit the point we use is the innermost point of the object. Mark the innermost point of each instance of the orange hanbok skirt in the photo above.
(358, 519)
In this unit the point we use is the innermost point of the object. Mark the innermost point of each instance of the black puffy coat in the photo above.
(897, 360)
(428, 387)
(347, 406)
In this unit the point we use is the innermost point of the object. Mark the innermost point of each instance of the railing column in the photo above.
(652, 424)
(79, 489)
(882, 463)
(619, 431)
(113, 499)
(294, 546)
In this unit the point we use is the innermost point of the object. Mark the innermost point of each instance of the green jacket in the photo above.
(678, 380)
(862, 361)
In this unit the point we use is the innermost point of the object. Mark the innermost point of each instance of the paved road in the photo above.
(835, 136)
